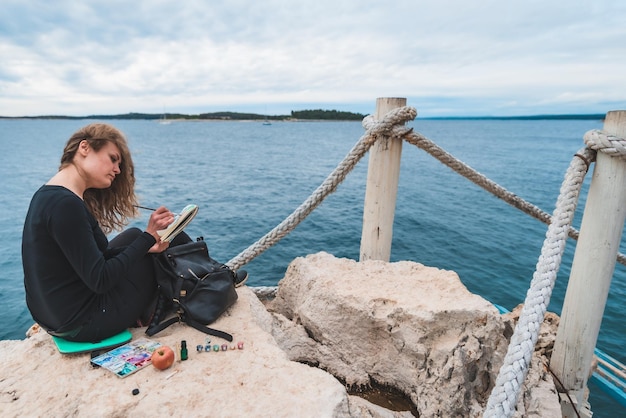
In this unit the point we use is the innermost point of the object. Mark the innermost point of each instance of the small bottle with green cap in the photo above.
(183, 350)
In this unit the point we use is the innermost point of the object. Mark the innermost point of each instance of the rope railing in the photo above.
(513, 372)
(593, 139)
(391, 125)
(511, 376)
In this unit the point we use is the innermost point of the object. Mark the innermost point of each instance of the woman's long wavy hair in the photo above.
(114, 206)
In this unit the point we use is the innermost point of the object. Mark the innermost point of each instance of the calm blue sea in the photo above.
(247, 177)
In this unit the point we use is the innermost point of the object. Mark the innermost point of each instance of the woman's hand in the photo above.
(159, 220)
(159, 247)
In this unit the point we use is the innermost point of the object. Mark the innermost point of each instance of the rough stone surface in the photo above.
(403, 325)
(258, 381)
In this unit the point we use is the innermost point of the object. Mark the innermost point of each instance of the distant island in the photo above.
(315, 114)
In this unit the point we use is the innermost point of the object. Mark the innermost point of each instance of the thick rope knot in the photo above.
(612, 145)
(391, 125)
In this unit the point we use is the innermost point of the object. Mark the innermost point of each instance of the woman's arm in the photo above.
(83, 243)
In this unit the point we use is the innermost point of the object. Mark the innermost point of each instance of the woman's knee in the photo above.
(125, 237)
(181, 238)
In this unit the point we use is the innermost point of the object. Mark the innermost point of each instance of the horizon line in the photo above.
(149, 116)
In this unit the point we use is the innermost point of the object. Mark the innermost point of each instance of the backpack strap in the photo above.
(208, 330)
(163, 306)
(156, 328)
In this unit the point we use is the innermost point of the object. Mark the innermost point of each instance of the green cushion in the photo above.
(71, 347)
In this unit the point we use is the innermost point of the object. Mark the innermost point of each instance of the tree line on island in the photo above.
(317, 114)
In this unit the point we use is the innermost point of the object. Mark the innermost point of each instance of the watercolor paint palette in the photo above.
(128, 358)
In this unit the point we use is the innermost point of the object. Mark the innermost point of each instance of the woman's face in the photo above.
(101, 167)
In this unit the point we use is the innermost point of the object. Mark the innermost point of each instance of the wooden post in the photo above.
(592, 267)
(381, 190)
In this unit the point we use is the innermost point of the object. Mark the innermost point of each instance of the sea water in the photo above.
(247, 177)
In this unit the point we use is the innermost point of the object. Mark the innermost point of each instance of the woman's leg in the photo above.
(130, 301)
(181, 238)
(123, 305)
(125, 238)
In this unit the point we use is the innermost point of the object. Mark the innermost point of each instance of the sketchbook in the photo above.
(180, 222)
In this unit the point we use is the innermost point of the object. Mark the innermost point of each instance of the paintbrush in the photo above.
(144, 207)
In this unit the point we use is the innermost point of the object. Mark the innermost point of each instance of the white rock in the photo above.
(404, 325)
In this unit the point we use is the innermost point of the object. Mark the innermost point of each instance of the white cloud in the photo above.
(195, 56)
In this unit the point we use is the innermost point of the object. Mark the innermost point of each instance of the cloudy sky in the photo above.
(447, 57)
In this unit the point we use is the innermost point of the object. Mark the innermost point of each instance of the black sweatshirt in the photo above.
(67, 267)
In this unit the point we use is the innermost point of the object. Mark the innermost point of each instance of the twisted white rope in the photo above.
(265, 292)
(389, 126)
(511, 376)
(492, 187)
(515, 368)
(479, 179)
